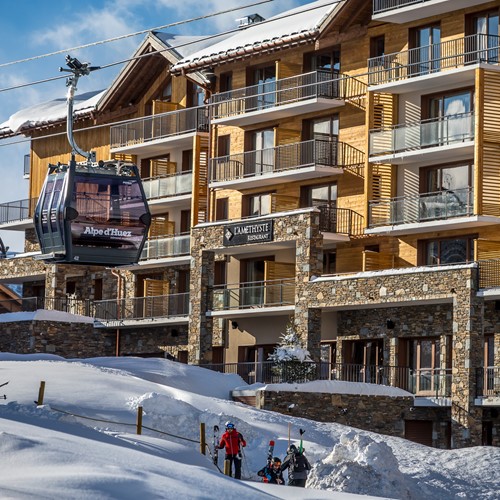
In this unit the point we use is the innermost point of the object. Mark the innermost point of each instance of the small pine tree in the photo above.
(292, 362)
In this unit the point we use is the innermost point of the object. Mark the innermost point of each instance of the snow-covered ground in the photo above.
(47, 453)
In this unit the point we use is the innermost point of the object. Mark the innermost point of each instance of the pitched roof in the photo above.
(300, 25)
(49, 112)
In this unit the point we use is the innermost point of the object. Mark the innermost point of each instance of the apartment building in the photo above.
(340, 171)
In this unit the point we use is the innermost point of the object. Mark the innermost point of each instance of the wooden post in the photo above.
(41, 393)
(139, 420)
(227, 467)
(203, 443)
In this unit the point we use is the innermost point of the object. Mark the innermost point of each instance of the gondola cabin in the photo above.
(94, 214)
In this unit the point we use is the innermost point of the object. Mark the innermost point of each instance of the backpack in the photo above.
(299, 463)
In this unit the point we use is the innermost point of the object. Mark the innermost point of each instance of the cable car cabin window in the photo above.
(109, 212)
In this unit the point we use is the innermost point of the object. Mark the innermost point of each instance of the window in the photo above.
(223, 145)
(187, 160)
(484, 44)
(424, 357)
(325, 132)
(448, 251)
(221, 209)
(323, 197)
(329, 262)
(226, 82)
(185, 221)
(452, 118)
(264, 79)
(260, 158)
(258, 204)
(377, 46)
(324, 61)
(252, 276)
(425, 55)
(195, 95)
(446, 191)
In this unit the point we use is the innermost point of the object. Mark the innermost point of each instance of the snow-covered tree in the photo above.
(291, 360)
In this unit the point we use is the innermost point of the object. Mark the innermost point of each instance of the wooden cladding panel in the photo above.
(199, 208)
(162, 166)
(384, 110)
(125, 157)
(284, 136)
(487, 249)
(154, 288)
(287, 69)
(164, 107)
(382, 185)
(491, 180)
(491, 106)
(160, 226)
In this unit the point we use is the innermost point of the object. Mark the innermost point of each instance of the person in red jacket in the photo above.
(233, 441)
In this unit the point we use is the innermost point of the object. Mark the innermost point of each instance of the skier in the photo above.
(298, 467)
(271, 473)
(233, 441)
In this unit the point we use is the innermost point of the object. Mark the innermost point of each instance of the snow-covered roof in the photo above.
(301, 23)
(44, 315)
(184, 45)
(50, 112)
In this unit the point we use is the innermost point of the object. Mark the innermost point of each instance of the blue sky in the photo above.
(33, 28)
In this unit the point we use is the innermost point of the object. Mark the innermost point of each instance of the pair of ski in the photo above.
(4, 396)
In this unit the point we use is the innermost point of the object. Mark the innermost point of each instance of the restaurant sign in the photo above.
(248, 232)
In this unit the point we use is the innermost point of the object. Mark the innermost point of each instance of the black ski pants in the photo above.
(297, 482)
(236, 460)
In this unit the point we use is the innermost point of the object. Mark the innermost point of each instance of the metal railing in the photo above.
(15, 211)
(284, 158)
(384, 5)
(166, 246)
(489, 273)
(254, 294)
(337, 220)
(421, 382)
(160, 306)
(488, 381)
(471, 49)
(67, 304)
(159, 126)
(433, 132)
(290, 90)
(421, 207)
(164, 186)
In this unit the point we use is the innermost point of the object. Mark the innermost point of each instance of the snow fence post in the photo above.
(41, 393)
(203, 443)
(139, 420)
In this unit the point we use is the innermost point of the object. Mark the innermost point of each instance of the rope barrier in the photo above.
(123, 423)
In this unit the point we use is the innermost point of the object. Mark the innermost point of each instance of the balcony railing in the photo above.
(160, 126)
(489, 273)
(160, 306)
(384, 5)
(165, 186)
(67, 304)
(296, 89)
(421, 207)
(488, 381)
(434, 132)
(15, 211)
(166, 246)
(255, 294)
(421, 382)
(337, 220)
(471, 49)
(284, 158)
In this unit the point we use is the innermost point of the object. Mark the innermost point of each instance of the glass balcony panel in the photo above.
(172, 185)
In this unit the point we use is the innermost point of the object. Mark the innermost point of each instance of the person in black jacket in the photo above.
(298, 467)
(271, 473)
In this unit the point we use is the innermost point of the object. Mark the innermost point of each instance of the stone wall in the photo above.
(382, 414)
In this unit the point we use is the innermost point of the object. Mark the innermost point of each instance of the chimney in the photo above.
(249, 20)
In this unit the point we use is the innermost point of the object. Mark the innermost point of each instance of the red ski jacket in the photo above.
(232, 441)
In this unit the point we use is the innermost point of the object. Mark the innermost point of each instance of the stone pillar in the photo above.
(308, 263)
(200, 330)
(466, 418)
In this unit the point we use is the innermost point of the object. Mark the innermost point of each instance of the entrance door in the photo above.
(363, 359)
(419, 431)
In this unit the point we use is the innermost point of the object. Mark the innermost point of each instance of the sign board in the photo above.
(248, 232)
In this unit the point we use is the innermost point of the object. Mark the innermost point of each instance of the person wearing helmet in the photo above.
(233, 441)
(298, 466)
(271, 473)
